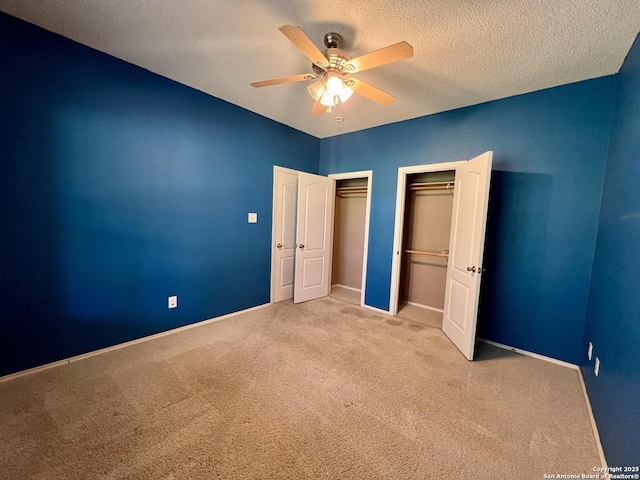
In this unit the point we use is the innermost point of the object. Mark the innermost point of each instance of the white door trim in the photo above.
(368, 174)
(399, 222)
(276, 168)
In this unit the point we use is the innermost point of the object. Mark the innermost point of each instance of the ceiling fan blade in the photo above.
(390, 54)
(318, 108)
(306, 46)
(277, 81)
(370, 92)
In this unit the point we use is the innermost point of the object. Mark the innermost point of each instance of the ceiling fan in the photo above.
(333, 68)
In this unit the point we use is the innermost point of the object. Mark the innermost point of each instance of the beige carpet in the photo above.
(419, 315)
(322, 389)
(346, 295)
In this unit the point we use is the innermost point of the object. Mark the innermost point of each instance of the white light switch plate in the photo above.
(596, 370)
(253, 218)
(590, 352)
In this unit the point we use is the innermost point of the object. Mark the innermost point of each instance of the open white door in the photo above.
(466, 247)
(284, 234)
(316, 197)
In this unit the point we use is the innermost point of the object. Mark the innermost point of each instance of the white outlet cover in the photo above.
(173, 301)
(590, 352)
(596, 370)
(253, 218)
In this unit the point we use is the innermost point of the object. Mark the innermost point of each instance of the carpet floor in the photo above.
(420, 315)
(323, 389)
(346, 295)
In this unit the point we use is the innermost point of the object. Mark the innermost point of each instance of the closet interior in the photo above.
(349, 238)
(425, 246)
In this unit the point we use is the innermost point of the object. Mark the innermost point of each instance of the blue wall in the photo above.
(119, 188)
(550, 151)
(613, 319)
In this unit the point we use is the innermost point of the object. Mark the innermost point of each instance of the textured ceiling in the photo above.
(465, 51)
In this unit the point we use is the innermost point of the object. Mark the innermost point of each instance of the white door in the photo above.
(284, 238)
(466, 247)
(316, 197)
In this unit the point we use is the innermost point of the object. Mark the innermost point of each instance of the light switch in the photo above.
(253, 218)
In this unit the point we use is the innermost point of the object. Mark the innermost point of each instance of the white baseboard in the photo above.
(346, 288)
(420, 305)
(69, 360)
(603, 460)
(29, 371)
(530, 354)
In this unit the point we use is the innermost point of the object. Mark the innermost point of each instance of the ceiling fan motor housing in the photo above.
(332, 40)
(337, 58)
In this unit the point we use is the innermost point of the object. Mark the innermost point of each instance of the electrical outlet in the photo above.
(590, 352)
(596, 370)
(253, 218)
(173, 301)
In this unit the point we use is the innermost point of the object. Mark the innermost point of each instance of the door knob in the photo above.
(471, 269)
(301, 246)
(279, 245)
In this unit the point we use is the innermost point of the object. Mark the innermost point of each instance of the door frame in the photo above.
(403, 172)
(368, 174)
(276, 169)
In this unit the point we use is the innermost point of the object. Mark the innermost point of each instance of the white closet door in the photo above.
(316, 197)
(286, 200)
(466, 247)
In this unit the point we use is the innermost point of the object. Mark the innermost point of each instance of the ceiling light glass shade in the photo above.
(345, 94)
(329, 100)
(316, 90)
(334, 85)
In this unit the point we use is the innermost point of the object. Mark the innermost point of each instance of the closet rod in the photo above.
(342, 191)
(432, 186)
(444, 253)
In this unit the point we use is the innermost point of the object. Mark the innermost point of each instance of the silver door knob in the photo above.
(301, 246)
(471, 269)
(279, 245)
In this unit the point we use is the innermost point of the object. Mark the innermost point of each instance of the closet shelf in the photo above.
(434, 253)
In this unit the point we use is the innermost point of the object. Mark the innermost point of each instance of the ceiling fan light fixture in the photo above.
(331, 91)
